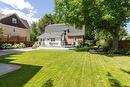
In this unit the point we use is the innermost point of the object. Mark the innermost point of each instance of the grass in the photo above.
(49, 68)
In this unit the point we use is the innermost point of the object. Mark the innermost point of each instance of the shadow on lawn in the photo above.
(113, 82)
(109, 55)
(19, 77)
(49, 83)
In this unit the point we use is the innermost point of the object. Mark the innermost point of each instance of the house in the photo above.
(14, 28)
(59, 35)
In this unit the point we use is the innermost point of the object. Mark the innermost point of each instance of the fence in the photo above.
(14, 39)
(124, 44)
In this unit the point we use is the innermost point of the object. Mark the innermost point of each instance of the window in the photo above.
(52, 39)
(14, 29)
(14, 20)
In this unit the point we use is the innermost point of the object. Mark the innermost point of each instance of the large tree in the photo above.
(34, 32)
(96, 15)
(46, 20)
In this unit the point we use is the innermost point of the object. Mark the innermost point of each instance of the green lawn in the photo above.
(66, 69)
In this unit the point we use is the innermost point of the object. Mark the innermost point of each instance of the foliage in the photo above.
(46, 20)
(10, 46)
(122, 51)
(34, 32)
(123, 33)
(21, 45)
(96, 15)
(6, 46)
(1, 31)
(80, 44)
(35, 45)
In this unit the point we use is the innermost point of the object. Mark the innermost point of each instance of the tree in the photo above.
(34, 32)
(96, 15)
(1, 31)
(46, 20)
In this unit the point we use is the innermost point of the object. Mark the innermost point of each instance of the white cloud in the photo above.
(18, 4)
(21, 14)
(18, 7)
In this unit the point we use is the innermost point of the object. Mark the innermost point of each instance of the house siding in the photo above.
(72, 39)
(21, 32)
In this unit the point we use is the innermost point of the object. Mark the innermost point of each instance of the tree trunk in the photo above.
(115, 36)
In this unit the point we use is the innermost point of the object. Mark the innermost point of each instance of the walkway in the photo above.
(10, 51)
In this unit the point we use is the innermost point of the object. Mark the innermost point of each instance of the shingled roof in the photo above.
(56, 30)
(62, 27)
(22, 20)
(1, 15)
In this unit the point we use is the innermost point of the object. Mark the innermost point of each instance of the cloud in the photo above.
(18, 4)
(22, 7)
(21, 14)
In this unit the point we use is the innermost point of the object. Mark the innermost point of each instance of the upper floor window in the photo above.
(14, 20)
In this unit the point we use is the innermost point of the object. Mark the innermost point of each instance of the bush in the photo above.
(80, 44)
(122, 52)
(35, 46)
(103, 43)
(85, 48)
(21, 45)
(6, 46)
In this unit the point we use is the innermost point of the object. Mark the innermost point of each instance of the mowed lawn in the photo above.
(50, 68)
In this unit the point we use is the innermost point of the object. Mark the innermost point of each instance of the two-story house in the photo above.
(59, 35)
(14, 28)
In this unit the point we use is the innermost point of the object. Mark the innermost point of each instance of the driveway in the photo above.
(10, 51)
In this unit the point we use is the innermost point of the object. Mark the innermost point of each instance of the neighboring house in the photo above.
(59, 35)
(14, 26)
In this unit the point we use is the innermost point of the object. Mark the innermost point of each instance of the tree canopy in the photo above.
(96, 15)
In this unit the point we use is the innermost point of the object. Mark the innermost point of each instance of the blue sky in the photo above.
(31, 10)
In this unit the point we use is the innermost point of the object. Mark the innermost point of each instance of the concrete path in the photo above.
(6, 68)
(10, 51)
(52, 48)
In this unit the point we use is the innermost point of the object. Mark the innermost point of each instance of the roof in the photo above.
(22, 20)
(56, 28)
(1, 15)
(62, 28)
(25, 22)
(75, 32)
(51, 35)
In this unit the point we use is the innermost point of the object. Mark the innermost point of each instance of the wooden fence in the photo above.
(14, 39)
(124, 44)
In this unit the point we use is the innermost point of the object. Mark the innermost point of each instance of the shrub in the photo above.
(15, 45)
(21, 45)
(85, 48)
(35, 46)
(122, 52)
(80, 44)
(6, 46)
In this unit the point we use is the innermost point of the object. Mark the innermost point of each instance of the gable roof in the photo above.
(51, 35)
(56, 28)
(62, 27)
(2, 16)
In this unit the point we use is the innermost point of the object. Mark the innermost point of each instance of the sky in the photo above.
(32, 10)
